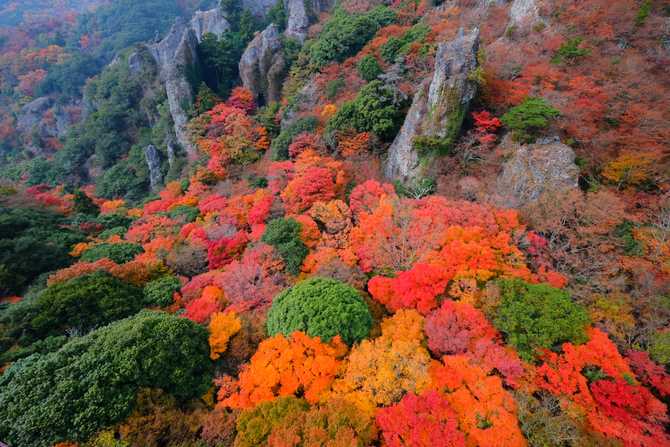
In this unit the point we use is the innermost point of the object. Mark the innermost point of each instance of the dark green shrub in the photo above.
(119, 253)
(345, 34)
(184, 212)
(659, 347)
(631, 246)
(254, 426)
(537, 316)
(159, 292)
(373, 110)
(84, 205)
(570, 52)
(528, 118)
(32, 242)
(643, 12)
(396, 46)
(284, 236)
(267, 117)
(92, 381)
(283, 141)
(333, 87)
(320, 307)
(81, 304)
(368, 68)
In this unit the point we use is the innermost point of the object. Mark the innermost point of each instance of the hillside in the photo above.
(335, 223)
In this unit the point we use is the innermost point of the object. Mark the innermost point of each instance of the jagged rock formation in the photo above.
(177, 59)
(211, 21)
(176, 54)
(262, 65)
(438, 107)
(153, 158)
(301, 14)
(546, 166)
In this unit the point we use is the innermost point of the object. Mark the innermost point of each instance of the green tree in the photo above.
(92, 381)
(84, 205)
(345, 34)
(374, 110)
(368, 68)
(32, 242)
(529, 118)
(118, 252)
(80, 304)
(284, 236)
(159, 292)
(320, 307)
(537, 316)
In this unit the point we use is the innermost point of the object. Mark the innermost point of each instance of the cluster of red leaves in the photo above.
(486, 127)
(420, 421)
(316, 179)
(458, 328)
(615, 406)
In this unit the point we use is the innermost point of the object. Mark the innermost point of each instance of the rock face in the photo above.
(33, 120)
(153, 158)
(547, 165)
(438, 108)
(177, 59)
(211, 21)
(262, 65)
(523, 13)
(176, 54)
(301, 14)
(258, 8)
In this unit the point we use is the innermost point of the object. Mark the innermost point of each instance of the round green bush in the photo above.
(320, 307)
(537, 316)
(159, 292)
(77, 305)
(119, 253)
(92, 381)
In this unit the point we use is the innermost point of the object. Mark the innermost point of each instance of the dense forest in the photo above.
(334, 223)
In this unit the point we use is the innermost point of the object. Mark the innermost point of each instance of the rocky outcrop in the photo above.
(44, 118)
(211, 21)
(547, 165)
(301, 14)
(438, 107)
(177, 59)
(258, 8)
(523, 13)
(176, 54)
(262, 66)
(153, 159)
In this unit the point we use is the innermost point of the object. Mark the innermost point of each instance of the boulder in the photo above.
(546, 166)
(262, 66)
(438, 106)
(31, 114)
(153, 159)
